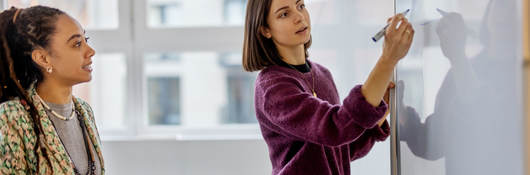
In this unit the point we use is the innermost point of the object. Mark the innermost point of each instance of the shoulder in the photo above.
(11, 110)
(273, 75)
(273, 71)
(83, 104)
(11, 104)
(320, 68)
(86, 107)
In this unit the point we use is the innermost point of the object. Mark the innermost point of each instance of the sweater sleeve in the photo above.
(360, 147)
(299, 114)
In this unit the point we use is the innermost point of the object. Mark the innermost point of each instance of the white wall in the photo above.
(235, 157)
(186, 157)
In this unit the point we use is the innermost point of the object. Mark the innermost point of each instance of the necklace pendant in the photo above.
(314, 94)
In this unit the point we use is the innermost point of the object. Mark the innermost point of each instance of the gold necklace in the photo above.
(312, 77)
(55, 113)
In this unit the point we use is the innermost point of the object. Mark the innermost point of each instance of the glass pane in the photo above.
(240, 91)
(93, 14)
(198, 89)
(106, 92)
(461, 74)
(189, 13)
(164, 100)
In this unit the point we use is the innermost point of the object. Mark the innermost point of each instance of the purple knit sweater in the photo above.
(314, 136)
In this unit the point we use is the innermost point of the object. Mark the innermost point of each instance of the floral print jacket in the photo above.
(18, 139)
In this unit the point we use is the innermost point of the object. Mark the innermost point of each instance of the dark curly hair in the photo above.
(21, 32)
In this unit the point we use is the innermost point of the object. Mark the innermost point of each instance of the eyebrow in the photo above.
(281, 9)
(284, 7)
(75, 36)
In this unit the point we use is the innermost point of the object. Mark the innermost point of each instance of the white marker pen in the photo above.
(381, 33)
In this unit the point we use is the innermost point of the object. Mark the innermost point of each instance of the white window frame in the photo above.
(186, 39)
(134, 39)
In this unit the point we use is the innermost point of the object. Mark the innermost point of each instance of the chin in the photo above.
(301, 40)
(307, 39)
(88, 79)
(84, 79)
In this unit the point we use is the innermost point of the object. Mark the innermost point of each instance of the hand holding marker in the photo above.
(381, 33)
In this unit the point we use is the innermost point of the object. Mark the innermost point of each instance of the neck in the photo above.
(54, 92)
(292, 55)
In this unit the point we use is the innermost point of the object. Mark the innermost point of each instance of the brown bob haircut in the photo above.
(259, 51)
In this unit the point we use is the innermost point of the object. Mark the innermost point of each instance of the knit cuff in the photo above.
(380, 133)
(363, 113)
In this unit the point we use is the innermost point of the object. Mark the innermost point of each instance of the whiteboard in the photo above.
(458, 96)
(341, 33)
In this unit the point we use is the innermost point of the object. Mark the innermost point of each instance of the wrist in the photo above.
(381, 122)
(387, 61)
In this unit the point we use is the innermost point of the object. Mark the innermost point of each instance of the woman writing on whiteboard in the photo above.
(297, 105)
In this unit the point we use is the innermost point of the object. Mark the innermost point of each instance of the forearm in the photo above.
(396, 46)
(377, 83)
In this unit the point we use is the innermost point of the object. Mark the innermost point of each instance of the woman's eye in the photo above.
(86, 39)
(78, 44)
(284, 14)
(302, 6)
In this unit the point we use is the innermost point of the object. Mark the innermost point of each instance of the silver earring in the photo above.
(49, 69)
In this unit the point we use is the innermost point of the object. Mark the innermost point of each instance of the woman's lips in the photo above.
(88, 68)
(303, 30)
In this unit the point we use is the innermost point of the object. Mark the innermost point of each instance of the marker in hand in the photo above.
(382, 32)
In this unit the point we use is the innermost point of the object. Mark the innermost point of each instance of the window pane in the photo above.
(198, 89)
(189, 13)
(163, 100)
(93, 14)
(106, 92)
(240, 91)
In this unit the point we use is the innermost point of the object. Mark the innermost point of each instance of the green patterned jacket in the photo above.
(18, 140)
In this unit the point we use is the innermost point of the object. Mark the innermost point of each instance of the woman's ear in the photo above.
(40, 56)
(265, 31)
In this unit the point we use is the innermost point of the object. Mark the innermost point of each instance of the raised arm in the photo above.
(396, 46)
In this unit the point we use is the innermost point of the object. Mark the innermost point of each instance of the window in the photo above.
(93, 14)
(193, 13)
(164, 100)
(108, 90)
(172, 68)
(198, 89)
